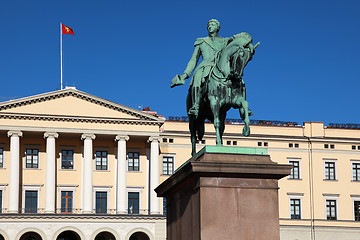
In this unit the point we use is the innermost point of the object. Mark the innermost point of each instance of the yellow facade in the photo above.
(71, 115)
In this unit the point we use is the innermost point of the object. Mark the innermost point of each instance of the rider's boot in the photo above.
(194, 110)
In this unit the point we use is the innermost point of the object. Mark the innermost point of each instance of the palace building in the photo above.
(76, 166)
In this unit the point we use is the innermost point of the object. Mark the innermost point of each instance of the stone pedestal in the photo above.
(224, 193)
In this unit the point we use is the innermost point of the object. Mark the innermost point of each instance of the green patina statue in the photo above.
(217, 83)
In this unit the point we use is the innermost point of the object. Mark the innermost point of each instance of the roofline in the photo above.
(77, 93)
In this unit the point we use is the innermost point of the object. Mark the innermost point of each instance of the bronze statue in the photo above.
(217, 83)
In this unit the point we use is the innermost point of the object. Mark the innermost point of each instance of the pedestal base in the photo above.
(227, 195)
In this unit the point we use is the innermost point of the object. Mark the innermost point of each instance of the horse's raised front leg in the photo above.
(244, 114)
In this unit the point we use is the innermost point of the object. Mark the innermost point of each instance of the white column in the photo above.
(87, 187)
(121, 197)
(13, 206)
(154, 174)
(50, 180)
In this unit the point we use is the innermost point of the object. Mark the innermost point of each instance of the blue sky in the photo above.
(306, 69)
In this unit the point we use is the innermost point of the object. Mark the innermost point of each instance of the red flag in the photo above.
(67, 30)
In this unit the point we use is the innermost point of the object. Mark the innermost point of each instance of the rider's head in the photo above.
(213, 26)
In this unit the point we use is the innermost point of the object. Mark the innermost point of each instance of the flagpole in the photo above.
(61, 61)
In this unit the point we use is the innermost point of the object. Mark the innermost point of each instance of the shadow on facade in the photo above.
(68, 235)
(139, 236)
(105, 236)
(30, 236)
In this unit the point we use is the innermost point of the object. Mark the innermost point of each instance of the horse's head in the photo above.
(243, 54)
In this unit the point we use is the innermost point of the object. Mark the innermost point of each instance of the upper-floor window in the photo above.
(67, 159)
(66, 202)
(356, 171)
(331, 210)
(295, 209)
(133, 203)
(101, 202)
(1, 197)
(295, 171)
(168, 165)
(1, 157)
(32, 158)
(31, 200)
(133, 161)
(101, 160)
(357, 210)
(330, 171)
(164, 206)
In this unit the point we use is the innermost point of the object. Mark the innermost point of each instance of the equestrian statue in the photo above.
(216, 84)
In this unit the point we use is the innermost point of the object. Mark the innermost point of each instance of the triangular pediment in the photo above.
(73, 103)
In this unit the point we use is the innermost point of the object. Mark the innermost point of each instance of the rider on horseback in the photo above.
(207, 48)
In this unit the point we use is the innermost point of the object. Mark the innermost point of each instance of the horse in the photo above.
(224, 89)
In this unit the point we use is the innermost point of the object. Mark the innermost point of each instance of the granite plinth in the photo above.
(230, 194)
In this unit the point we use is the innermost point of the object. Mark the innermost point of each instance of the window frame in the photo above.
(134, 150)
(137, 190)
(334, 161)
(102, 189)
(34, 187)
(355, 198)
(297, 196)
(352, 170)
(291, 205)
(67, 148)
(32, 147)
(2, 145)
(299, 168)
(332, 197)
(95, 159)
(3, 196)
(167, 155)
(66, 188)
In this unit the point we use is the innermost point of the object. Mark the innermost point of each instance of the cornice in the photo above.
(66, 118)
(81, 95)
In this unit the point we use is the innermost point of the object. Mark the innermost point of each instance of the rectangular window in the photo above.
(168, 165)
(353, 147)
(101, 202)
(1, 196)
(326, 145)
(296, 145)
(259, 144)
(356, 171)
(331, 210)
(266, 144)
(133, 203)
(164, 206)
(31, 199)
(357, 210)
(235, 143)
(290, 145)
(332, 146)
(203, 141)
(133, 161)
(295, 209)
(171, 140)
(67, 159)
(228, 142)
(1, 157)
(101, 160)
(66, 202)
(295, 171)
(165, 140)
(32, 158)
(330, 171)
